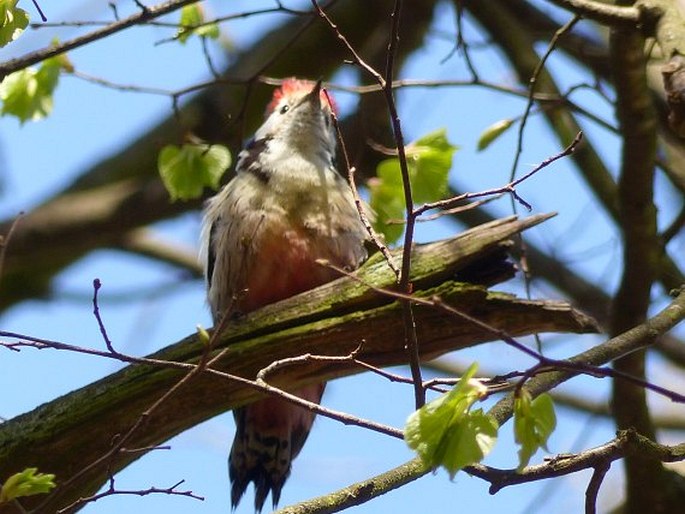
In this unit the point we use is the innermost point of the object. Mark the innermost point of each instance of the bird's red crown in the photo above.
(295, 86)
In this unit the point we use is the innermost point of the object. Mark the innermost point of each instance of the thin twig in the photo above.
(510, 188)
(144, 15)
(544, 364)
(303, 359)
(112, 491)
(357, 58)
(122, 87)
(375, 238)
(458, 209)
(208, 58)
(411, 338)
(592, 491)
(385, 82)
(260, 386)
(96, 311)
(352, 358)
(116, 447)
(280, 8)
(531, 90)
(461, 43)
(40, 11)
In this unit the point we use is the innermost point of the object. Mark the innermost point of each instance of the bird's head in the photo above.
(300, 114)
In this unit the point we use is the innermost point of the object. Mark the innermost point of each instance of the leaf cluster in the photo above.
(187, 169)
(27, 94)
(13, 21)
(193, 23)
(447, 432)
(429, 160)
(26, 483)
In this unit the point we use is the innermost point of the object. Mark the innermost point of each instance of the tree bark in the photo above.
(333, 320)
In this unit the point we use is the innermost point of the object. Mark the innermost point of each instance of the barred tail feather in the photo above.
(264, 461)
(269, 435)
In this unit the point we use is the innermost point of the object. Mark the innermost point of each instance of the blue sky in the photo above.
(90, 122)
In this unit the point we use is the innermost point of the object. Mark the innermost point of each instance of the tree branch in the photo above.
(143, 242)
(144, 15)
(646, 481)
(604, 13)
(626, 442)
(333, 318)
(361, 492)
(664, 20)
(126, 185)
(576, 402)
(500, 21)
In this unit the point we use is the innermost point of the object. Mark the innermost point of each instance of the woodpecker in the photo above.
(263, 233)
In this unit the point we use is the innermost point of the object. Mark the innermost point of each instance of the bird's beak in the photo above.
(316, 90)
(314, 96)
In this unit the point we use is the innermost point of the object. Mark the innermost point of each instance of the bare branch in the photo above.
(600, 471)
(375, 238)
(361, 492)
(385, 82)
(531, 90)
(602, 12)
(309, 323)
(509, 188)
(626, 442)
(112, 491)
(40, 11)
(96, 311)
(148, 13)
(144, 242)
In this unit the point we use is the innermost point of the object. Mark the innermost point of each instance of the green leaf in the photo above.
(534, 422)
(470, 441)
(387, 201)
(191, 16)
(203, 335)
(13, 21)
(429, 160)
(493, 132)
(445, 432)
(26, 483)
(187, 169)
(27, 94)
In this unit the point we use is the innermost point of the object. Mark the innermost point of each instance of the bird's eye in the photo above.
(285, 109)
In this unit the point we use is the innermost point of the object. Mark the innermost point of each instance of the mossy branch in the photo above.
(333, 319)
(627, 442)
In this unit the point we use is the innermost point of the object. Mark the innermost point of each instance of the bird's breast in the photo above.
(285, 261)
